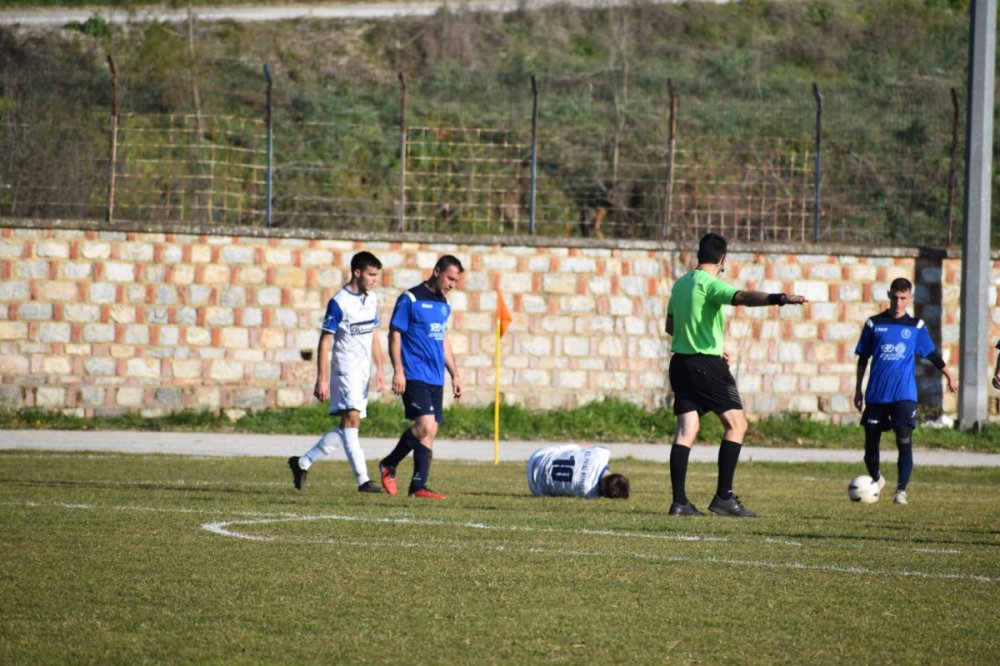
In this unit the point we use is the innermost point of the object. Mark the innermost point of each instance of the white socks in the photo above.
(327, 444)
(355, 456)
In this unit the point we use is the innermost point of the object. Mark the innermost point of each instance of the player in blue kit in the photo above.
(420, 353)
(892, 340)
(349, 333)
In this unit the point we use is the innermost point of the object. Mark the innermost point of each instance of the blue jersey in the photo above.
(893, 345)
(421, 317)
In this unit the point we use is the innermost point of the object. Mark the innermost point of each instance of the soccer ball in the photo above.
(863, 489)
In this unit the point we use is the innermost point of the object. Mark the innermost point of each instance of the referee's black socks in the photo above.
(729, 456)
(678, 471)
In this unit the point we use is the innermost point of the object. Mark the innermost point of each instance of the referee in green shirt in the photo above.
(699, 372)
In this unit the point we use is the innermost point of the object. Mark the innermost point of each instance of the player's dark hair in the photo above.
(711, 249)
(613, 486)
(448, 260)
(364, 260)
(900, 285)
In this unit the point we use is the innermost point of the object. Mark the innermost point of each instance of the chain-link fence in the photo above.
(673, 165)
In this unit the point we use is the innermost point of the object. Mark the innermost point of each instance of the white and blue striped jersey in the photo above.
(568, 470)
(352, 319)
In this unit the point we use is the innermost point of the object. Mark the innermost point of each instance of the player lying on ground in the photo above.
(571, 470)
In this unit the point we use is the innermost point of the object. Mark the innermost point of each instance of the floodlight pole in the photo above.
(973, 343)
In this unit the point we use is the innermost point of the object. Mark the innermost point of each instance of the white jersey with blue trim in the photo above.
(352, 319)
(568, 470)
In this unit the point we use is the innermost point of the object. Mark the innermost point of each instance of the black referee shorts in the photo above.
(702, 383)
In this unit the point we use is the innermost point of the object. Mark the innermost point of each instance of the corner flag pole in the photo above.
(496, 397)
(503, 321)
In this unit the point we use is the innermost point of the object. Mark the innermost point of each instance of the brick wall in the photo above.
(150, 319)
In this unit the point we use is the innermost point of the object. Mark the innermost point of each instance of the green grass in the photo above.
(603, 421)
(110, 559)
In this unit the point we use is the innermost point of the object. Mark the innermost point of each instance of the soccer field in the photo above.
(115, 558)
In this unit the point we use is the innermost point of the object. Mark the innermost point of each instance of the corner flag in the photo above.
(503, 323)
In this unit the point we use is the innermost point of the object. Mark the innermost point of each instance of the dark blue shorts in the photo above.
(420, 399)
(888, 415)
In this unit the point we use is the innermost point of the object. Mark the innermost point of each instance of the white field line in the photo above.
(223, 528)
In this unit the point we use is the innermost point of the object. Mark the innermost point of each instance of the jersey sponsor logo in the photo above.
(362, 327)
(892, 352)
(427, 306)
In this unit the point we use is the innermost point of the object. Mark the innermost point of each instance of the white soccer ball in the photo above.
(863, 489)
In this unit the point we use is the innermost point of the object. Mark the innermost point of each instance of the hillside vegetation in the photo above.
(742, 71)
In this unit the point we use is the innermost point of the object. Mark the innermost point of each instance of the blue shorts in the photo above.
(888, 415)
(421, 399)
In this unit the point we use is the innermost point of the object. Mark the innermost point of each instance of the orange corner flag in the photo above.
(503, 314)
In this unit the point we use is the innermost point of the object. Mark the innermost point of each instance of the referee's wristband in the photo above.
(777, 299)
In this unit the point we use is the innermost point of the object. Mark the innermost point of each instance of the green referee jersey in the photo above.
(696, 305)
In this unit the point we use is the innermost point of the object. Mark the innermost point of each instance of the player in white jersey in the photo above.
(571, 470)
(349, 331)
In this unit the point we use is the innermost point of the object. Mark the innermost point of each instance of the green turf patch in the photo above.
(129, 558)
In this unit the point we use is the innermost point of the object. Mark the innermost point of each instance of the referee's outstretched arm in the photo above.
(756, 299)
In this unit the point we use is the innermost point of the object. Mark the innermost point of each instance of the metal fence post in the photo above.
(819, 161)
(952, 163)
(671, 144)
(534, 156)
(113, 149)
(402, 153)
(269, 177)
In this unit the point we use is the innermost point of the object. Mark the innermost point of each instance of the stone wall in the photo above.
(157, 318)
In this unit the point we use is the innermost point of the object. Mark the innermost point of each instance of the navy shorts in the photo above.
(421, 399)
(702, 383)
(888, 415)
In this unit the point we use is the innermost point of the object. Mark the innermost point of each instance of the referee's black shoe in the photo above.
(298, 474)
(730, 507)
(686, 509)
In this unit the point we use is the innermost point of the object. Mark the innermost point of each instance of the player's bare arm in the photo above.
(396, 358)
(379, 362)
(952, 384)
(452, 367)
(757, 299)
(859, 396)
(322, 389)
(938, 362)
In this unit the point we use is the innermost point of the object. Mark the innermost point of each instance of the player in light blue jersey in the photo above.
(350, 333)
(420, 353)
(571, 470)
(892, 340)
